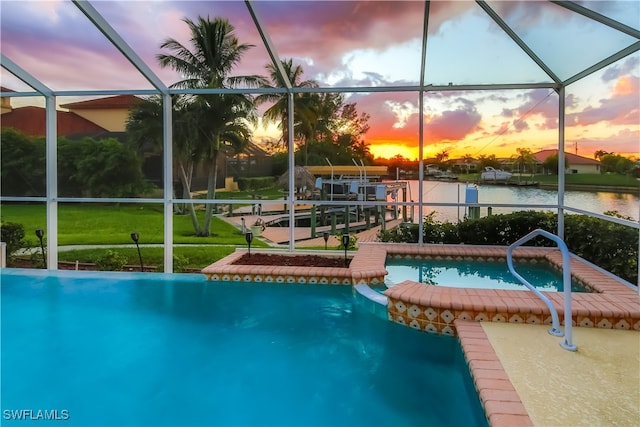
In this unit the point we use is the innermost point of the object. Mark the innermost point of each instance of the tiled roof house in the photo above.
(111, 113)
(96, 117)
(31, 121)
(575, 163)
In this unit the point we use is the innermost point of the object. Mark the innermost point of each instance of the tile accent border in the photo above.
(224, 270)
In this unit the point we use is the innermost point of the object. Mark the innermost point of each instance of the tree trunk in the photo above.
(186, 194)
(211, 194)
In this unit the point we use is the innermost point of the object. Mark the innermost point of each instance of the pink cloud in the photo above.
(623, 108)
(453, 125)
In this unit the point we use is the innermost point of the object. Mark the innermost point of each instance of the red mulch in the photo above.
(291, 260)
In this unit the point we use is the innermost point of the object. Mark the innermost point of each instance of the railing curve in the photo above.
(566, 279)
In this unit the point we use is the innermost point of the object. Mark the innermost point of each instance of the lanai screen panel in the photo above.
(146, 25)
(65, 51)
(351, 43)
(566, 41)
(623, 11)
(465, 46)
(602, 118)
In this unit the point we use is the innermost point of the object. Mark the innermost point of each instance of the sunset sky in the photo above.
(365, 44)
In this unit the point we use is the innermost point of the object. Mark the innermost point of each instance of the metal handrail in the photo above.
(566, 278)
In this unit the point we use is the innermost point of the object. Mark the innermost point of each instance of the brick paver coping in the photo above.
(500, 400)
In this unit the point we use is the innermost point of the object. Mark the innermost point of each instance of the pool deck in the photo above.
(524, 377)
(512, 359)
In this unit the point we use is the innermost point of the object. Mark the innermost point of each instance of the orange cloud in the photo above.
(626, 85)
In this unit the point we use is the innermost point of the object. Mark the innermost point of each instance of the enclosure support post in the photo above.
(167, 142)
(292, 164)
(52, 180)
(561, 168)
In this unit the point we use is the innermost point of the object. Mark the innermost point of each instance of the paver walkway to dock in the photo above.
(302, 235)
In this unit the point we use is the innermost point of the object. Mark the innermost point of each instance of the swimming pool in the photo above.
(477, 274)
(151, 349)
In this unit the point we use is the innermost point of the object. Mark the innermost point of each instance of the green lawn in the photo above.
(194, 256)
(270, 193)
(609, 180)
(612, 180)
(100, 224)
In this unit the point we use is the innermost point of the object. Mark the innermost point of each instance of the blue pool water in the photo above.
(153, 349)
(476, 274)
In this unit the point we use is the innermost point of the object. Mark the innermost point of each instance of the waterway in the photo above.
(452, 192)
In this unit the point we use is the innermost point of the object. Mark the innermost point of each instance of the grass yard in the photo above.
(607, 180)
(189, 256)
(100, 224)
(613, 180)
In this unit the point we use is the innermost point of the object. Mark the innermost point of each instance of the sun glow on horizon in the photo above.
(389, 150)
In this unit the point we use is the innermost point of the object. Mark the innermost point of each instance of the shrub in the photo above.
(37, 260)
(12, 234)
(111, 261)
(611, 246)
(353, 240)
(256, 183)
(506, 229)
(179, 263)
(23, 164)
(86, 167)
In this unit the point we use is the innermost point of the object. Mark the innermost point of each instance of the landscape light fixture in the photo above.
(345, 243)
(249, 237)
(136, 237)
(40, 235)
(325, 236)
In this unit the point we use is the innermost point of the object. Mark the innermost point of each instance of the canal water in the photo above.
(452, 192)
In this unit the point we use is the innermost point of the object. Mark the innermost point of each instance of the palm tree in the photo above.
(222, 120)
(145, 131)
(468, 161)
(599, 154)
(524, 158)
(441, 159)
(305, 105)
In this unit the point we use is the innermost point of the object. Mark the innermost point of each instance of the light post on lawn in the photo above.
(249, 238)
(345, 243)
(135, 237)
(40, 235)
(325, 236)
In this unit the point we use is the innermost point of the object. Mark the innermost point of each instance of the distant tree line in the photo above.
(615, 163)
(522, 161)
